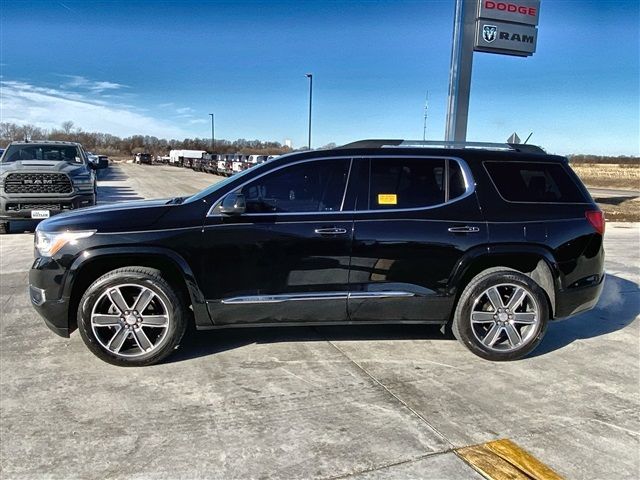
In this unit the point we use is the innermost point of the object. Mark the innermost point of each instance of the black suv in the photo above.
(42, 178)
(492, 242)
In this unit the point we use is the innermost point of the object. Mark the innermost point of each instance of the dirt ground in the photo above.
(617, 208)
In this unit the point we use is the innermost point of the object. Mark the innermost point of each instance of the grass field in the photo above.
(606, 175)
(618, 176)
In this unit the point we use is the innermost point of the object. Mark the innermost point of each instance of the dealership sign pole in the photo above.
(491, 26)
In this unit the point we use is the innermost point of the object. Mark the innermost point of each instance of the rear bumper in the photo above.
(19, 208)
(572, 301)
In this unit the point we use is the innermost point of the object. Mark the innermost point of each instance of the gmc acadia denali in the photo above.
(42, 178)
(490, 240)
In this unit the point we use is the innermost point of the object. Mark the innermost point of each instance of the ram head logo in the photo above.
(489, 33)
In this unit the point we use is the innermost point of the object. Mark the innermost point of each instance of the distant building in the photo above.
(288, 143)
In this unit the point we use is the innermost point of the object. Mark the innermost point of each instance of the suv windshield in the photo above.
(58, 153)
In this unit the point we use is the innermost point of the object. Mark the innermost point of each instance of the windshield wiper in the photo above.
(176, 201)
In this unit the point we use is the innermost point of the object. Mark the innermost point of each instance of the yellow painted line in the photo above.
(504, 460)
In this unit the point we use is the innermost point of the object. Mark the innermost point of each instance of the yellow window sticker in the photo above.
(387, 199)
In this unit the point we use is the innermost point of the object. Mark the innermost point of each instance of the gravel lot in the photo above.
(334, 402)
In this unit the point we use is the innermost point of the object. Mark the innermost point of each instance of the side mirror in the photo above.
(233, 204)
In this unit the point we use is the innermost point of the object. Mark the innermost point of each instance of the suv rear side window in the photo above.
(406, 183)
(316, 186)
(534, 182)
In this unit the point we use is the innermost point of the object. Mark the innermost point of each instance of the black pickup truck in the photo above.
(42, 178)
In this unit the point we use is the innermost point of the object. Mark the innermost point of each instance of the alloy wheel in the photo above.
(130, 320)
(505, 317)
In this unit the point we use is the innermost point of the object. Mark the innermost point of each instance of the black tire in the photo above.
(467, 332)
(4, 227)
(129, 278)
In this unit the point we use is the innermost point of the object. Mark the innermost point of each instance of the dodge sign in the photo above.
(517, 11)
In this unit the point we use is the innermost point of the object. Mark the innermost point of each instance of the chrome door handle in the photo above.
(330, 231)
(465, 229)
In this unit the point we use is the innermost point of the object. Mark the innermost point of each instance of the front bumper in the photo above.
(46, 282)
(572, 301)
(20, 207)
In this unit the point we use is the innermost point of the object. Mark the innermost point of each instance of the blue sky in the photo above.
(159, 68)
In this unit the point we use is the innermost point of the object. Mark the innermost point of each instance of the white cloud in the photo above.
(79, 82)
(24, 103)
(184, 110)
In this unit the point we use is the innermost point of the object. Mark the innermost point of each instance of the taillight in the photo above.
(596, 219)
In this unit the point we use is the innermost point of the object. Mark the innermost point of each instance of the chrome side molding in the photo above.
(297, 297)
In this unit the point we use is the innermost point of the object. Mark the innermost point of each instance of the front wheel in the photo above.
(501, 315)
(132, 317)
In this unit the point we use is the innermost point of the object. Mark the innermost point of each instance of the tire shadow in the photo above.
(208, 342)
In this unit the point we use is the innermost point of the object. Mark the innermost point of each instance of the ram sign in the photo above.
(507, 27)
(506, 38)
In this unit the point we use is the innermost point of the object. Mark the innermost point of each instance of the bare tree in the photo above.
(111, 145)
(67, 127)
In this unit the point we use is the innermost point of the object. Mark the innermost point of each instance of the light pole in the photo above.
(310, 77)
(213, 137)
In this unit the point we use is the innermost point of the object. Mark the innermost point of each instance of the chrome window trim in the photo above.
(299, 162)
(469, 185)
(297, 297)
(346, 186)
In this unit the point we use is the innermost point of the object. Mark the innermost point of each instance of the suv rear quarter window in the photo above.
(406, 183)
(534, 182)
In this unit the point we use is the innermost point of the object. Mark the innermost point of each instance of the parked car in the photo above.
(210, 163)
(103, 161)
(143, 158)
(239, 163)
(43, 178)
(185, 158)
(225, 165)
(254, 160)
(490, 241)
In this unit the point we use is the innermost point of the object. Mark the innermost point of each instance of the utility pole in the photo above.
(426, 114)
(213, 136)
(310, 77)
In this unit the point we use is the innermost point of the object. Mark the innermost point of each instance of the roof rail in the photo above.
(443, 144)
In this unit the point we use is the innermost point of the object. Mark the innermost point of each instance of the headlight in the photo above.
(82, 181)
(48, 243)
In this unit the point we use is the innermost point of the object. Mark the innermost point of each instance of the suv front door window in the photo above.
(306, 187)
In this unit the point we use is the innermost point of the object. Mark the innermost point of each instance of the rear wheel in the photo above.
(4, 227)
(132, 317)
(501, 315)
